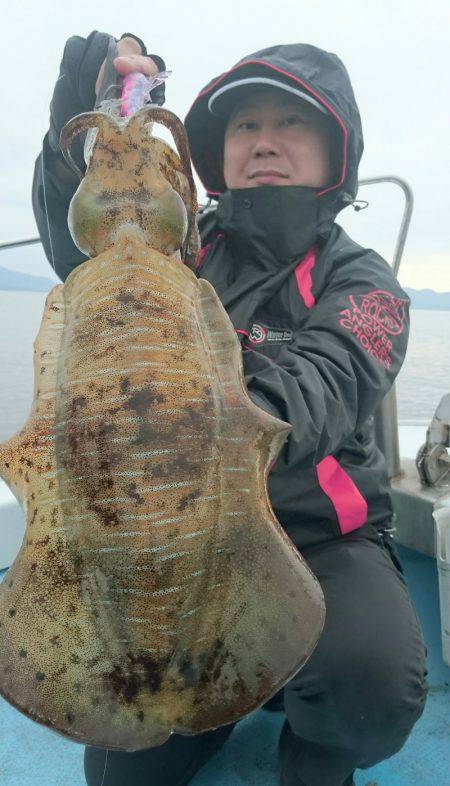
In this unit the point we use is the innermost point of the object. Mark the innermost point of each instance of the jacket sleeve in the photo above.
(340, 364)
(54, 183)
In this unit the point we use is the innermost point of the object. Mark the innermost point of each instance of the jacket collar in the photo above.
(269, 226)
(266, 231)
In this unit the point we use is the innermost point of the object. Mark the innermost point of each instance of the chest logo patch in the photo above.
(261, 334)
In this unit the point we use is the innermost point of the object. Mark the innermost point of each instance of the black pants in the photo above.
(353, 704)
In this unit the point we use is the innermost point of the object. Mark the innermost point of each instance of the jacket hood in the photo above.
(319, 73)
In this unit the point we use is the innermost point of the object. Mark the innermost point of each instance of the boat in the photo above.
(420, 480)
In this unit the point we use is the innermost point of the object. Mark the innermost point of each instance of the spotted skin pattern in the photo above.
(154, 590)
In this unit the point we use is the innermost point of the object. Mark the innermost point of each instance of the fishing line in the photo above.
(104, 771)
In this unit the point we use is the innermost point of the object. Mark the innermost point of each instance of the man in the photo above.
(323, 323)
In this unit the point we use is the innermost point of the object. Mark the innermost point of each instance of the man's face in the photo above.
(273, 138)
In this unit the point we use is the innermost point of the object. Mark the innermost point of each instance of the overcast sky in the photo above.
(397, 55)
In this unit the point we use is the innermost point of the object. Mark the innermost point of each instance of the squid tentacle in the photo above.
(79, 124)
(156, 114)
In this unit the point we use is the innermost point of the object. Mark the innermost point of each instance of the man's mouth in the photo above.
(267, 174)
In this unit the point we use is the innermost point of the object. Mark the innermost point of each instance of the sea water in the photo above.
(423, 380)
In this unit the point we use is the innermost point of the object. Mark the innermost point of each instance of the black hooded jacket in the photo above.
(323, 321)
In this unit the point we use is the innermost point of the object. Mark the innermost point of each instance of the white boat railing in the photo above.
(30, 241)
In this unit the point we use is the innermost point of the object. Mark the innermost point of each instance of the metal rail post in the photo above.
(385, 418)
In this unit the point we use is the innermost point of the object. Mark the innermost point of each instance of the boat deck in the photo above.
(31, 755)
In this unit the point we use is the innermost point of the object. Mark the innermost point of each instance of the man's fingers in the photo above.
(132, 63)
(128, 61)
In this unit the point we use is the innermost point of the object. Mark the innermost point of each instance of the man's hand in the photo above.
(129, 60)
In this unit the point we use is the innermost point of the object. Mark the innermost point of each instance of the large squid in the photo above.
(155, 591)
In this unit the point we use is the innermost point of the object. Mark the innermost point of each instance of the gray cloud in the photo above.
(397, 57)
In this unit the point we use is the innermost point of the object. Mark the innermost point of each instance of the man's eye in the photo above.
(293, 120)
(248, 125)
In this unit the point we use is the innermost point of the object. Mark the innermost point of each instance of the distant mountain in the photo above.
(429, 299)
(12, 280)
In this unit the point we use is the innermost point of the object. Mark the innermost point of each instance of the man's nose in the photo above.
(266, 143)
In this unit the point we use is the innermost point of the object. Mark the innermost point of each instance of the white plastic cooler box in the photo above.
(441, 516)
